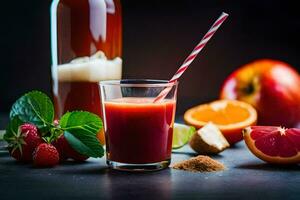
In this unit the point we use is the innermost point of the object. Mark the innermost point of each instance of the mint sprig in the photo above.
(84, 144)
(82, 121)
(34, 107)
(80, 128)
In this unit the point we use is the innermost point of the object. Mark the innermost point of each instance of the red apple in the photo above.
(272, 87)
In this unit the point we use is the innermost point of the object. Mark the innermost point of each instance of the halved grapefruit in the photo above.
(230, 116)
(273, 144)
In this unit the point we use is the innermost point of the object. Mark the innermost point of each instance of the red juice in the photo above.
(139, 131)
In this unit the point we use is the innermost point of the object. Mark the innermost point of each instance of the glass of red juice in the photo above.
(138, 132)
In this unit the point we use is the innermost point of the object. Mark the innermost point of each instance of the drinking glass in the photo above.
(138, 132)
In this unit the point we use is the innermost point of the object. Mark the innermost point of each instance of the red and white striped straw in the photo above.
(193, 55)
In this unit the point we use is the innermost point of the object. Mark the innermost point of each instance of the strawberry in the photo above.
(45, 155)
(25, 155)
(67, 151)
(22, 145)
(60, 144)
(75, 155)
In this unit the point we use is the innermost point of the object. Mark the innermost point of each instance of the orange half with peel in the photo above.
(230, 116)
(101, 136)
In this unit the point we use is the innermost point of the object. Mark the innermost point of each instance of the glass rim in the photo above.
(138, 83)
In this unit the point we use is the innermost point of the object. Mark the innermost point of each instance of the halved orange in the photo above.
(101, 137)
(230, 116)
(274, 144)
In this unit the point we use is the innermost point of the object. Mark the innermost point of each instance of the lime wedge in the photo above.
(181, 135)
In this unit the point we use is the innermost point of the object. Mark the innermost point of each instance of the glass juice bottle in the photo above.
(86, 42)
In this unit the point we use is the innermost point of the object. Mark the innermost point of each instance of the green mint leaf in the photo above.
(81, 122)
(84, 143)
(34, 107)
(12, 129)
(81, 129)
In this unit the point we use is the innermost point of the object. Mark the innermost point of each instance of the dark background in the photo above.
(158, 35)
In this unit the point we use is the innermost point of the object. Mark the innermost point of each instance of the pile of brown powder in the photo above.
(199, 164)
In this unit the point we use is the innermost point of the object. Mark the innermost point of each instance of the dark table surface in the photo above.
(246, 177)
